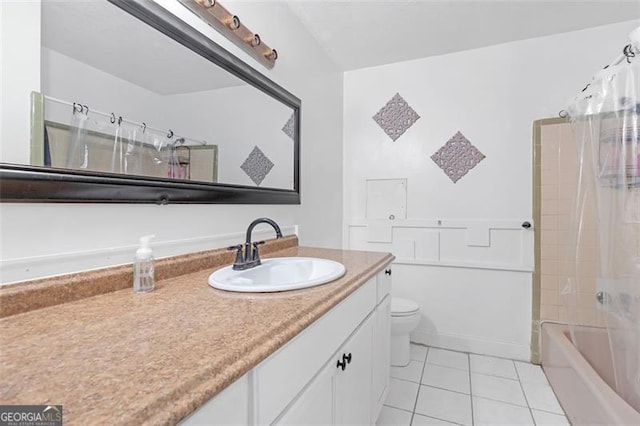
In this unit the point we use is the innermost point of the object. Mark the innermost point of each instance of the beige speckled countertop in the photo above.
(122, 358)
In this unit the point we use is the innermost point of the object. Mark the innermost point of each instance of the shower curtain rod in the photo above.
(113, 117)
(631, 50)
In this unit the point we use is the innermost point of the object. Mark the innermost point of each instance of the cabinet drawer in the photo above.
(279, 378)
(383, 283)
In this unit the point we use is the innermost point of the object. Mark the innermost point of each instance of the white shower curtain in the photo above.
(606, 123)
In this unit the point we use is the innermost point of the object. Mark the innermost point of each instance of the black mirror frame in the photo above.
(19, 183)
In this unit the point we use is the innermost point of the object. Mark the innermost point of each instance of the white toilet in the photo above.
(405, 316)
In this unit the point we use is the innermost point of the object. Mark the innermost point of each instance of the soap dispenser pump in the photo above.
(143, 271)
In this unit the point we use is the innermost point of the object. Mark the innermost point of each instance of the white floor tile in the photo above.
(497, 388)
(402, 394)
(445, 405)
(447, 358)
(419, 420)
(390, 416)
(418, 352)
(493, 366)
(530, 373)
(542, 418)
(487, 412)
(446, 378)
(541, 397)
(412, 372)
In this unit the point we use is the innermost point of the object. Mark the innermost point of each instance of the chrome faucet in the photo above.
(250, 257)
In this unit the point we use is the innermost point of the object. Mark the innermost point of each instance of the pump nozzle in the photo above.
(144, 241)
(144, 250)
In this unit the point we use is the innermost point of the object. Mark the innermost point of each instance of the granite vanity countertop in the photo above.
(122, 358)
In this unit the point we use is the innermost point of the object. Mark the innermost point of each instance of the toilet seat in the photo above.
(403, 307)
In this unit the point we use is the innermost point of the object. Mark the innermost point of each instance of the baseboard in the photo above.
(473, 345)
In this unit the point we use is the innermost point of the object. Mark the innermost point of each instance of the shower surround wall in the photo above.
(48, 239)
(471, 273)
(558, 169)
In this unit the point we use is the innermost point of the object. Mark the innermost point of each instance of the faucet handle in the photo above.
(239, 257)
(256, 255)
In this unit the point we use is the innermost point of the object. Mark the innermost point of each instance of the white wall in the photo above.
(473, 297)
(48, 239)
(19, 75)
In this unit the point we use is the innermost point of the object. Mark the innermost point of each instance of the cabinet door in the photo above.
(381, 369)
(314, 405)
(352, 385)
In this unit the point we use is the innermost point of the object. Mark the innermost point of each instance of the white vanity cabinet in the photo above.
(229, 407)
(337, 395)
(334, 372)
(353, 395)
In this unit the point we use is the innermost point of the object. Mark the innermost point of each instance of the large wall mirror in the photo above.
(137, 106)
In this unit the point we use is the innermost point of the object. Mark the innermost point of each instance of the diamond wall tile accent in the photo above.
(396, 117)
(457, 157)
(257, 166)
(289, 126)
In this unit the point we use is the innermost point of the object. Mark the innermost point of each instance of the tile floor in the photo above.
(441, 387)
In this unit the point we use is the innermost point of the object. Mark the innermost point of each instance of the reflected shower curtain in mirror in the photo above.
(78, 151)
(606, 234)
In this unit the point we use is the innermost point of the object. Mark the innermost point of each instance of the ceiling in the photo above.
(359, 34)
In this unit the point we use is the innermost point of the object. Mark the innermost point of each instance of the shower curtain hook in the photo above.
(144, 127)
(113, 118)
(119, 120)
(628, 52)
(77, 107)
(170, 134)
(563, 113)
(85, 107)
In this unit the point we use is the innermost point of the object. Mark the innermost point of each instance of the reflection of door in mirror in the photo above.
(119, 88)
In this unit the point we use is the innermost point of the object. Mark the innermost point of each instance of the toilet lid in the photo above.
(402, 307)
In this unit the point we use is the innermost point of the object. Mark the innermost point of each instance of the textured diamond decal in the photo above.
(396, 117)
(289, 126)
(257, 166)
(457, 157)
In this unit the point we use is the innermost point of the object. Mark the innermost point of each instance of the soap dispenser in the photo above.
(143, 272)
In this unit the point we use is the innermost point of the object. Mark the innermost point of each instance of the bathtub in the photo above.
(582, 390)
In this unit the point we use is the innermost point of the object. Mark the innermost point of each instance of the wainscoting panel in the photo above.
(472, 279)
(502, 245)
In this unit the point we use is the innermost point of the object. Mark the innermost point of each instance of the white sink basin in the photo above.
(278, 274)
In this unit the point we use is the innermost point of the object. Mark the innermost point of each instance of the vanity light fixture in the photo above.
(229, 25)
